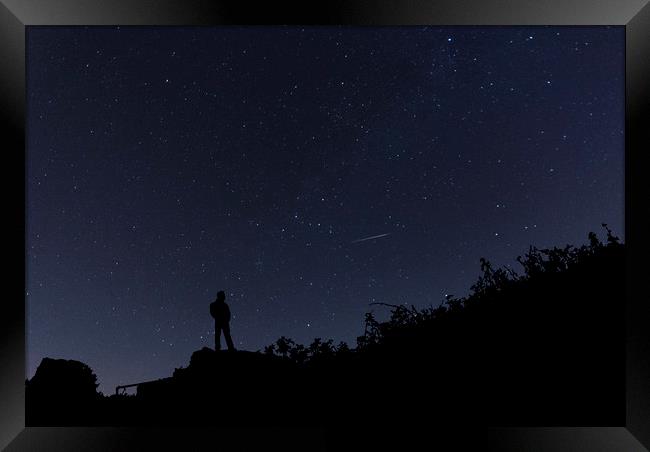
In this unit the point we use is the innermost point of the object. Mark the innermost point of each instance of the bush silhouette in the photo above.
(544, 345)
(63, 391)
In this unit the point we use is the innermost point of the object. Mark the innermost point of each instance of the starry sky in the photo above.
(307, 172)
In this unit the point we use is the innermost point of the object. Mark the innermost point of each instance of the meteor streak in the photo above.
(370, 238)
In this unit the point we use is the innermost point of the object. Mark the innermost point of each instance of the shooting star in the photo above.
(370, 238)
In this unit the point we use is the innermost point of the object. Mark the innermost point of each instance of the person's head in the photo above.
(221, 295)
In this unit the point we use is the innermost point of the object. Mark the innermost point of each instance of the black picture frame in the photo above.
(16, 15)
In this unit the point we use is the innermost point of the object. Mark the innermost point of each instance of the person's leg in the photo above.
(217, 337)
(226, 334)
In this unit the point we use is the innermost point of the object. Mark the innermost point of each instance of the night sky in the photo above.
(165, 164)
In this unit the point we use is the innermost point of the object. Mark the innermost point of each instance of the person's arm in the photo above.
(228, 313)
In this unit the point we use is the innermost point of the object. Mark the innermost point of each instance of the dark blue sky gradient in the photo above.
(165, 164)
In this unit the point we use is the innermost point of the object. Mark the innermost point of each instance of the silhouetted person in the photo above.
(221, 313)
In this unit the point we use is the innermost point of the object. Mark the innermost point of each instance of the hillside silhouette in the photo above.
(545, 346)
